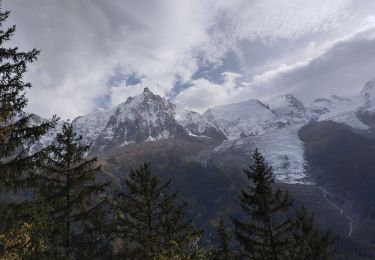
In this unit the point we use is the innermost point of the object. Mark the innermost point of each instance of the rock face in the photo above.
(143, 118)
(146, 117)
(290, 109)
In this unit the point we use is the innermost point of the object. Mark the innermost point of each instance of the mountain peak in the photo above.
(147, 91)
(141, 97)
(369, 87)
(294, 102)
(287, 101)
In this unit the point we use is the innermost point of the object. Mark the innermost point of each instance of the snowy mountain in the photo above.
(353, 111)
(254, 118)
(242, 119)
(291, 109)
(271, 127)
(143, 118)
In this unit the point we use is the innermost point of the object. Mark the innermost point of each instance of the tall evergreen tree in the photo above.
(29, 241)
(270, 233)
(150, 222)
(309, 243)
(76, 199)
(224, 247)
(17, 134)
(267, 233)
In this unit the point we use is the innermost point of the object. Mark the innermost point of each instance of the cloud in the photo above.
(203, 93)
(341, 67)
(86, 43)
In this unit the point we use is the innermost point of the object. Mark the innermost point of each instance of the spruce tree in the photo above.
(30, 240)
(224, 248)
(266, 234)
(150, 222)
(75, 198)
(308, 242)
(17, 135)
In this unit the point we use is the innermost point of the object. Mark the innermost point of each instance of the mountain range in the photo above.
(322, 152)
(272, 127)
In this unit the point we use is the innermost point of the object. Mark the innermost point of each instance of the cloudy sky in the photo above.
(200, 53)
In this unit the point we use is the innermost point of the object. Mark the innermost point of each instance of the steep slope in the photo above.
(91, 125)
(143, 118)
(290, 109)
(243, 119)
(282, 148)
(272, 128)
(341, 157)
(357, 112)
(342, 160)
(197, 125)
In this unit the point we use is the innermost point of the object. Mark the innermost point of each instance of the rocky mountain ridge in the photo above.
(272, 127)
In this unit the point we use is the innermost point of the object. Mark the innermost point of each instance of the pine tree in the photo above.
(76, 199)
(17, 134)
(309, 244)
(224, 250)
(150, 222)
(266, 234)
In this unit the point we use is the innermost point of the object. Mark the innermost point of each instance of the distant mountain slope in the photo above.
(357, 111)
(342, 159)
(272, 127)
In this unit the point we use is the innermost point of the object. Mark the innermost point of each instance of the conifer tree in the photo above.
(17, 134)
(308, 242)
(267, 232)
(224, 249)
(75, 198)
(29, 241)
(150, 222)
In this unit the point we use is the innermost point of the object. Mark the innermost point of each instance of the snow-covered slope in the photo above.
(147, 117)
(253, 118)
(243, 119)
(143, 118)
(290, 109)
(196, 124)
(283, 150)
(368, 93)
(48, 138)
(346, 110)
(91, 125)
(271, 127)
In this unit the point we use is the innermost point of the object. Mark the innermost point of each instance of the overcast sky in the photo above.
(199, 53)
